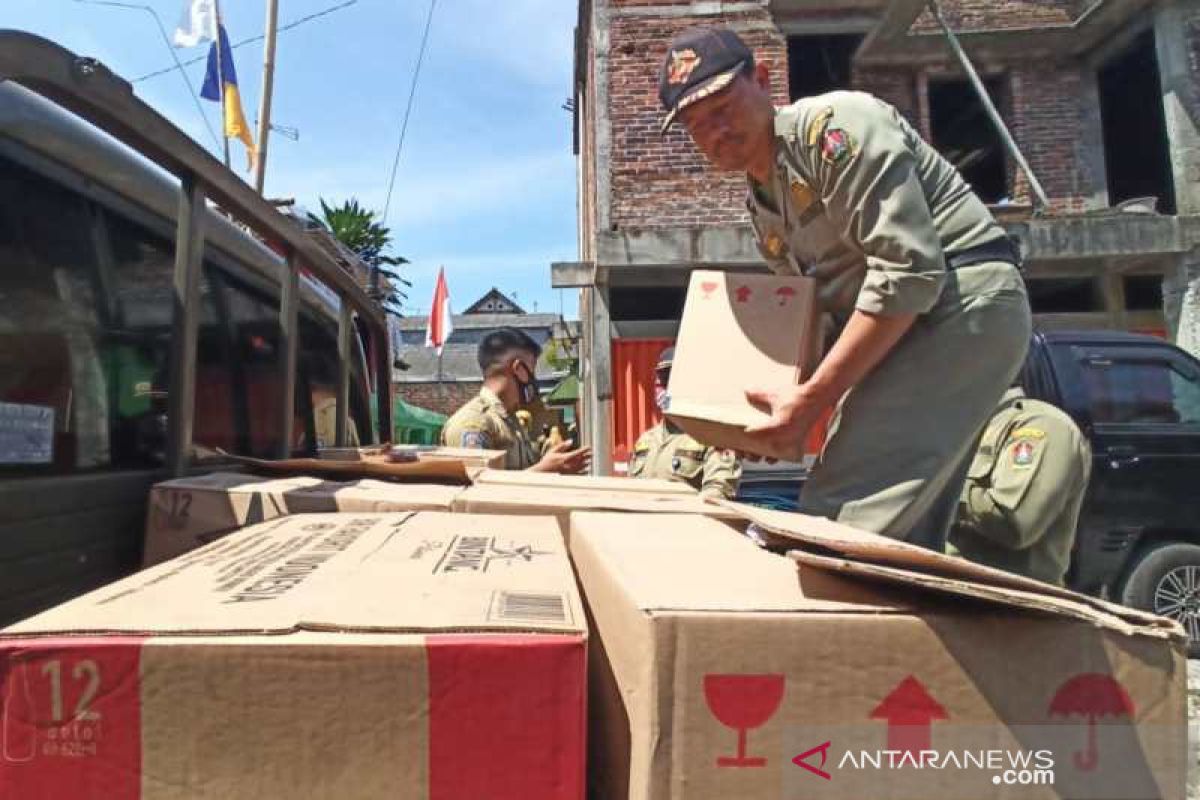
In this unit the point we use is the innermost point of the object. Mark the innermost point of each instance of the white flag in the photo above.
(198, 23)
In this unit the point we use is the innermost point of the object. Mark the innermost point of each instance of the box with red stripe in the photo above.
(422, 655)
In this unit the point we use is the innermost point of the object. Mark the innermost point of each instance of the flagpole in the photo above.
(264, 106)
(221, 81)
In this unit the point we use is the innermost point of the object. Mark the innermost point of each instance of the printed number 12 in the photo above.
(86, 669)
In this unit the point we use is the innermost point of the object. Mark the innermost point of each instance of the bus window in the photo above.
(139, 267)
(318, 359)
(53, 393)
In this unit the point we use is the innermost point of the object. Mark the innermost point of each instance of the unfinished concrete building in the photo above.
(1100, 96)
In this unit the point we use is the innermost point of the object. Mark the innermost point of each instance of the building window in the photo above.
(1064, 295)
(1136, 156)
(819, 64)
(964, 134)
(1143, 292)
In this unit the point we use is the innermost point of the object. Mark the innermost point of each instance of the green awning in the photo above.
(406, 415)
(566, 393)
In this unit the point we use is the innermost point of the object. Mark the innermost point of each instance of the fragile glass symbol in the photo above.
(743, 702)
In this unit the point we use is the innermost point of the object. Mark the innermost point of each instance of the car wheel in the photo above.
(1166, 581)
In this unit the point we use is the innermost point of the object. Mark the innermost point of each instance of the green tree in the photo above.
(359, 229)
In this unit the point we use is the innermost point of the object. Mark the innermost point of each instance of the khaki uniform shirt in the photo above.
(859, 202)
(665, 452)
(1021, 502)
(484, 424)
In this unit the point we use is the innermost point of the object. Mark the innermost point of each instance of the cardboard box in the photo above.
(740, 332)
(723, 670)
(536, 501)
(361, 656)
(483, 459)
(186, 513)
(550, 480)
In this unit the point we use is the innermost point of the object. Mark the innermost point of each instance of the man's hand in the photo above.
(565, 461)
(793, 409)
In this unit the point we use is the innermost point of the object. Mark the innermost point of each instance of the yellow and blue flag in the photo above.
(221, 86)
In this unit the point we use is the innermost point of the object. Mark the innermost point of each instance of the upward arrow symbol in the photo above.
(909, 712)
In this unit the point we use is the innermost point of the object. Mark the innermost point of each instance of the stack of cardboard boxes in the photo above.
(534, 637)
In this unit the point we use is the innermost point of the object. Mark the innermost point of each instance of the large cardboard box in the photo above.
(856, 667)
(483, 459)
(361, 656)
(560, 503)
(550, 480)
(740, 332)
(186, 513)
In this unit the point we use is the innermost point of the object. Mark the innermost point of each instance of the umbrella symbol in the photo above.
(1091, 695)
(743, 293)
(708, 287)
(785, 293)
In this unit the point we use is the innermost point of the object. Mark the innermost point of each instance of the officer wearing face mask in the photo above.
(666, 452)
(508, 358)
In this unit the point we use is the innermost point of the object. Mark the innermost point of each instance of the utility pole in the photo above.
(268, 85)
(221, 77)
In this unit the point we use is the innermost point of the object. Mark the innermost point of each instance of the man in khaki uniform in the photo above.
(666, 452)
(1021, 502)
(909, 262)
(508, 358)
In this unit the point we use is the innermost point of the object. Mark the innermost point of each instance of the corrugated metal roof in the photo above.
(465, 321)
(460, 362)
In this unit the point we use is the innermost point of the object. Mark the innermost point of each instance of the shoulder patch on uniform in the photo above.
(837, 146)
(1024, 453)
(477, 440)
(773, 245)
(816, 127)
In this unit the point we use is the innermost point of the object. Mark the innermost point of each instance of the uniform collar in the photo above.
(1015, 393)
(492, 401)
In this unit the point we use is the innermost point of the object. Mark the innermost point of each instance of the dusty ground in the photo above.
(1194, 729)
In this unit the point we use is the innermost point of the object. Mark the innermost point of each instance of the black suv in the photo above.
(1137, 399)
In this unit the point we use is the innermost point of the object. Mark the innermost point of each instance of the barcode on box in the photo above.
(530, 607)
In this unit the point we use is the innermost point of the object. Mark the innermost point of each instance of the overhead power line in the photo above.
(178, 66)
(243, 42)
(412, 91)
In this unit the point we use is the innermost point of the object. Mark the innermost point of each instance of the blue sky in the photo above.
(486, 183)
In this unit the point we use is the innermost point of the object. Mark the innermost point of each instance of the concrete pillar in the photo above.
(1181, 97)
(1175, 23)
(599, 361)
(1090, 147)
(1181, 302)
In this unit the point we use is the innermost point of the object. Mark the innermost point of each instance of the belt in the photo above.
(1001, 249)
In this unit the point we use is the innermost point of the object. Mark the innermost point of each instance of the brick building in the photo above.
(447, 386)
(1101, 97)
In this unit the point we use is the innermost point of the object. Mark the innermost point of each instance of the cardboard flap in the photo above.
(881, 558)
(683, 563)
(393, 573)
(549, 480)
(430, 471)
(496, 497)
(995, 595)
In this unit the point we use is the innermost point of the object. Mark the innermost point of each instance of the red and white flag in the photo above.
(441, 325)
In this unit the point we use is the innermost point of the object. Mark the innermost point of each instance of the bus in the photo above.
(124, 362)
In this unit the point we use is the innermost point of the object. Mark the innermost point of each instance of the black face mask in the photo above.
(527, 389)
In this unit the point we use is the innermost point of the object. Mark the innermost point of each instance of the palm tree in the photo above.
(359, 229)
